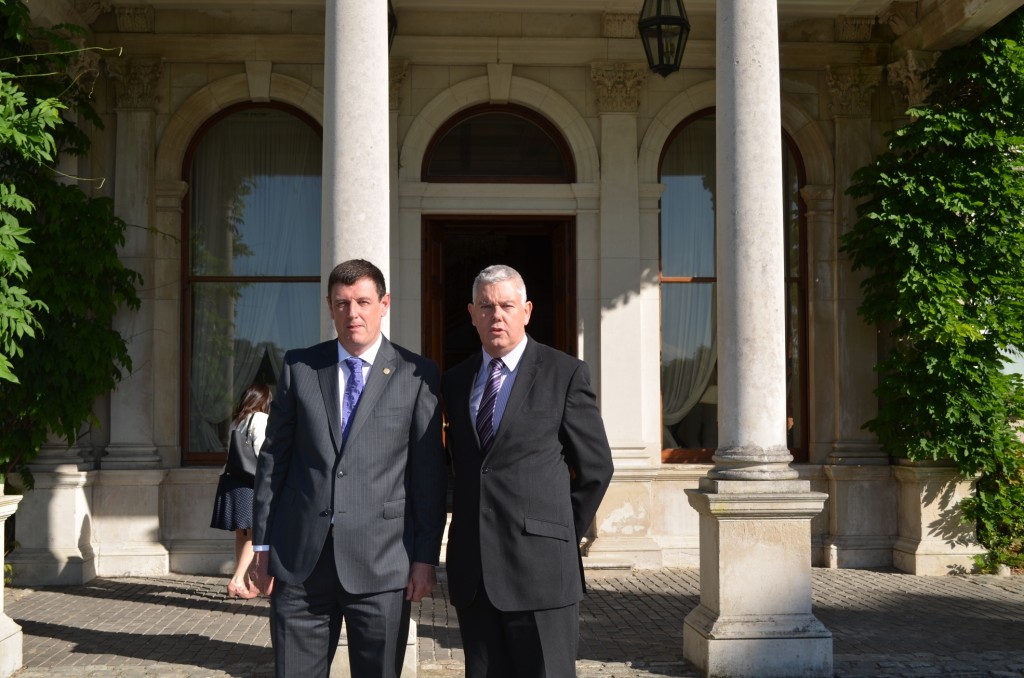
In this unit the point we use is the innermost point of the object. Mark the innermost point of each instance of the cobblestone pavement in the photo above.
(884, 624)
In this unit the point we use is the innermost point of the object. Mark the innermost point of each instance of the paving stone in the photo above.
(884, 623)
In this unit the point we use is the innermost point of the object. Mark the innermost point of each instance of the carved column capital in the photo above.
(818, 198)
(83, 69)
(908, 76)
(618, 86)
(135, 81)
(397, 70)
(852, 88)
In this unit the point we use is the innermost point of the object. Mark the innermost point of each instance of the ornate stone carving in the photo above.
(397, 70)
(852, 88)
(135, 81)
(619, 25)
(908, 75)
(90, 10)
(83, 69)
(899, 16)
(854, 28)
(135, 18)
(618, 86)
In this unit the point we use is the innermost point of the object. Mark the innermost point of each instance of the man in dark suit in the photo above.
(349, 507)
(532, 463)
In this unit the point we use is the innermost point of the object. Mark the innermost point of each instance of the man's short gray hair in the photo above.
(496, 274)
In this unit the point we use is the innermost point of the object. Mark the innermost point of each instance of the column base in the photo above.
(933, 538)
(210, 557)
(858, 551)
(52, 567)
(783, 646)
(11, 644)
(616, 556)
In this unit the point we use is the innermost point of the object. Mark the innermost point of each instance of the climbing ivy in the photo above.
(940, 234)
(62, 279)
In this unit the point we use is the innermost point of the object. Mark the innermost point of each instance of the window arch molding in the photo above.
(687, 280)
(172, 146)
(527, 93)
(528, 122)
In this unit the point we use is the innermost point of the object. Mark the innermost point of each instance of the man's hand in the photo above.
(260, 572)
(421, 581)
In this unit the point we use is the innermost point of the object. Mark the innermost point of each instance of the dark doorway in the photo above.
(456, 248)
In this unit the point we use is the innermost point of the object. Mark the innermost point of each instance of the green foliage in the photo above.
(24, 134)
(63, 281)
(941, 232)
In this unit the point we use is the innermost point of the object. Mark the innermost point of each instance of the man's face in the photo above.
(357, 311)
(500, 317)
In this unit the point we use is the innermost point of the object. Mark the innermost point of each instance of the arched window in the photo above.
(251, 259)
(689, 340)
(508, 144)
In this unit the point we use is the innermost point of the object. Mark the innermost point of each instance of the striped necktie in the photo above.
(485, 415)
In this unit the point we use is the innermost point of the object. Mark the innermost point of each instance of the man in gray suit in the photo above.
(349, 507)
(532, 463)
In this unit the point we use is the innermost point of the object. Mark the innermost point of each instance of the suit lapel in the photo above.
(328, 374)
(526, 374)
(381, 372)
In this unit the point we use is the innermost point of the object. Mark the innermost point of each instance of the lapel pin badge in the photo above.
(387, 370)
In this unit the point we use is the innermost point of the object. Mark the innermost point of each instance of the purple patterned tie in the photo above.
(485, 415)
(353, 388)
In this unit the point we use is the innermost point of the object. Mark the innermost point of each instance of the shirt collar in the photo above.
(368, 356)
(512, 358)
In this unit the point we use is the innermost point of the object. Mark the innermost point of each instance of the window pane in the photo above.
(791, 203)
(688, 203)
(497, 144)
(689, 354)
(255, 197)
(794, 368)
(240, 332)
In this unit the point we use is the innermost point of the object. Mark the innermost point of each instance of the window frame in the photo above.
(214, 458)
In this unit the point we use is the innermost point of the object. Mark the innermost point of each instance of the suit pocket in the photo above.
(546, 528)
(394, 509)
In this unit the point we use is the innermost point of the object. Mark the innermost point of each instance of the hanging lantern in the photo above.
(664, 28)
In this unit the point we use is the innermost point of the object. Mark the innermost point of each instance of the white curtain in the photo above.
(255, 212)
(688, 323)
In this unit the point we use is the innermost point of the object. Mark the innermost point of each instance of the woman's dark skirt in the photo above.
(232, 507)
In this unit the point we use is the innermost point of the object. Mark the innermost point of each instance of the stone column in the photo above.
(355, 219)
(131, 408)
(862, 495)
(126, 496)
(754, 617)
(405, 242)
(11, 637)
(629, 403)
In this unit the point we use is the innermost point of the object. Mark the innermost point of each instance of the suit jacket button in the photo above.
(341, 473)
(485, 470)
(325, 512)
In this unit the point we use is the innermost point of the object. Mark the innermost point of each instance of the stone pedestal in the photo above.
(126, 512)
(933, 539)
(754, 617)
(55, 529)
(11, 638)
(862, 516)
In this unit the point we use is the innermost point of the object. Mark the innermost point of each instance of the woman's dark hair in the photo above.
(255, 399)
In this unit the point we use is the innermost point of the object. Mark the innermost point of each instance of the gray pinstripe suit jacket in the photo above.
(385, 490)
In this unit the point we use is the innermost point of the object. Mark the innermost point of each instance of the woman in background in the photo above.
(232, 507)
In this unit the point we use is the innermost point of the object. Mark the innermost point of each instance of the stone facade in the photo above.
(844, 80)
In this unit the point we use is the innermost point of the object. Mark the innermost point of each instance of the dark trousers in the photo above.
(527, 644)
(305, 624)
